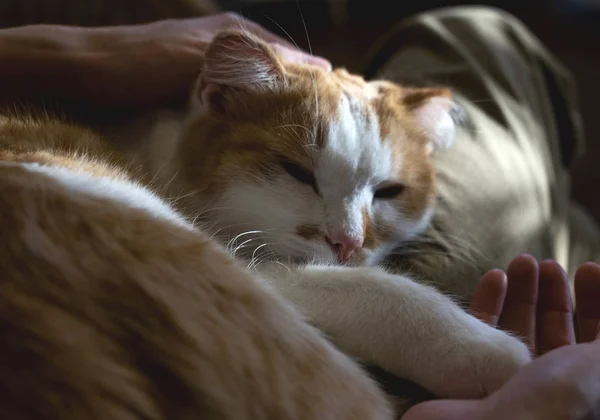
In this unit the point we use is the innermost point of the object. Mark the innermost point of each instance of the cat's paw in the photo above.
(494, 357)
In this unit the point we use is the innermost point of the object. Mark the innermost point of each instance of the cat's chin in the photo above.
(301, 260)
(365, 258)
(361, 259)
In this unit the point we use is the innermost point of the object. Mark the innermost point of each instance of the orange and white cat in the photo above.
(113, 306)
(312, 177)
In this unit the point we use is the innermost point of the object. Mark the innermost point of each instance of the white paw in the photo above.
(494, 357)
(504, 357)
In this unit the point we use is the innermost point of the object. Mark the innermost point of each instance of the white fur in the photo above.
(122, 191)
(348, 170)
(409, 329)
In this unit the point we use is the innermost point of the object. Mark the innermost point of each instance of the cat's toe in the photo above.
(506, 356)
(495, 357)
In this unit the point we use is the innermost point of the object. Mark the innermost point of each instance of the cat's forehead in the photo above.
(354, 137)
(352, 146)
(339, 84)
(331, 122)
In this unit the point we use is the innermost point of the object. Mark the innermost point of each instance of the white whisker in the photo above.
(241, 246)
(250, 232)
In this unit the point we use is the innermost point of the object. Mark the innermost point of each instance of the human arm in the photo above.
(124, 66)
(44, 60)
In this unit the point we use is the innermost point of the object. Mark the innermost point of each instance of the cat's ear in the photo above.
(237, 60)
(433, 110)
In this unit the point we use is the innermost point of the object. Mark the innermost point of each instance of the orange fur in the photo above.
(309, 231)
(109, 312)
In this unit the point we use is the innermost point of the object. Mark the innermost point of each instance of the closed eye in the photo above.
(390, 192)
(300, 174)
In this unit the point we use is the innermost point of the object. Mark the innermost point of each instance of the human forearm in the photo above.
(43, 61)
(117, 66)
(112, 66)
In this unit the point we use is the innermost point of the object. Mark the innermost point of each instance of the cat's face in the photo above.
(299, 163)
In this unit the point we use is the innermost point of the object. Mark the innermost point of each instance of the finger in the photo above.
(297, 56)
(519, 313)
(587, 298)
(488, 299)
(554, 312)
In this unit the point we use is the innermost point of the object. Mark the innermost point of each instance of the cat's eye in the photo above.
(392, 191)
(300, 174)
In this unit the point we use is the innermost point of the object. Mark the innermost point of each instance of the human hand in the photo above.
(146, 65)
(533, 302)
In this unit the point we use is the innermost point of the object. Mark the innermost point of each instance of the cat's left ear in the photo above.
(433, 110)
(236, 62)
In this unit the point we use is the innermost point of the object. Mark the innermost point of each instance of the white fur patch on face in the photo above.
(259, 220)
(121, 191)
(353, 161)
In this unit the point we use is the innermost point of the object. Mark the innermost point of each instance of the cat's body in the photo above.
(112, 306)
(116, 305)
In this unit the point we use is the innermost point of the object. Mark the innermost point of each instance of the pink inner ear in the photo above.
(434, 116)
(241, 60)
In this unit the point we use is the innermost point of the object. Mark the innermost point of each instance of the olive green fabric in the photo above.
(503, 187)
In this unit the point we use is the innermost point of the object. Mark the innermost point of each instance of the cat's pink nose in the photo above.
(344, 246)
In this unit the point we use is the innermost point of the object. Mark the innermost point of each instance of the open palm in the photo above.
(532, 301)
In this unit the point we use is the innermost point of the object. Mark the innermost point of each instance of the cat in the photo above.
(311, 177)
(113, 306)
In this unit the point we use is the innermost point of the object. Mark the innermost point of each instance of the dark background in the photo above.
(345, 32)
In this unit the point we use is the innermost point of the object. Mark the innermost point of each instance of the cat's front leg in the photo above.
(409, 329)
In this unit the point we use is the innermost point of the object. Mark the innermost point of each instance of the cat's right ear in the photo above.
(236, 61)
(433, 110)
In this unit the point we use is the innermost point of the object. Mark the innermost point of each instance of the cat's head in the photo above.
(297, 162)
